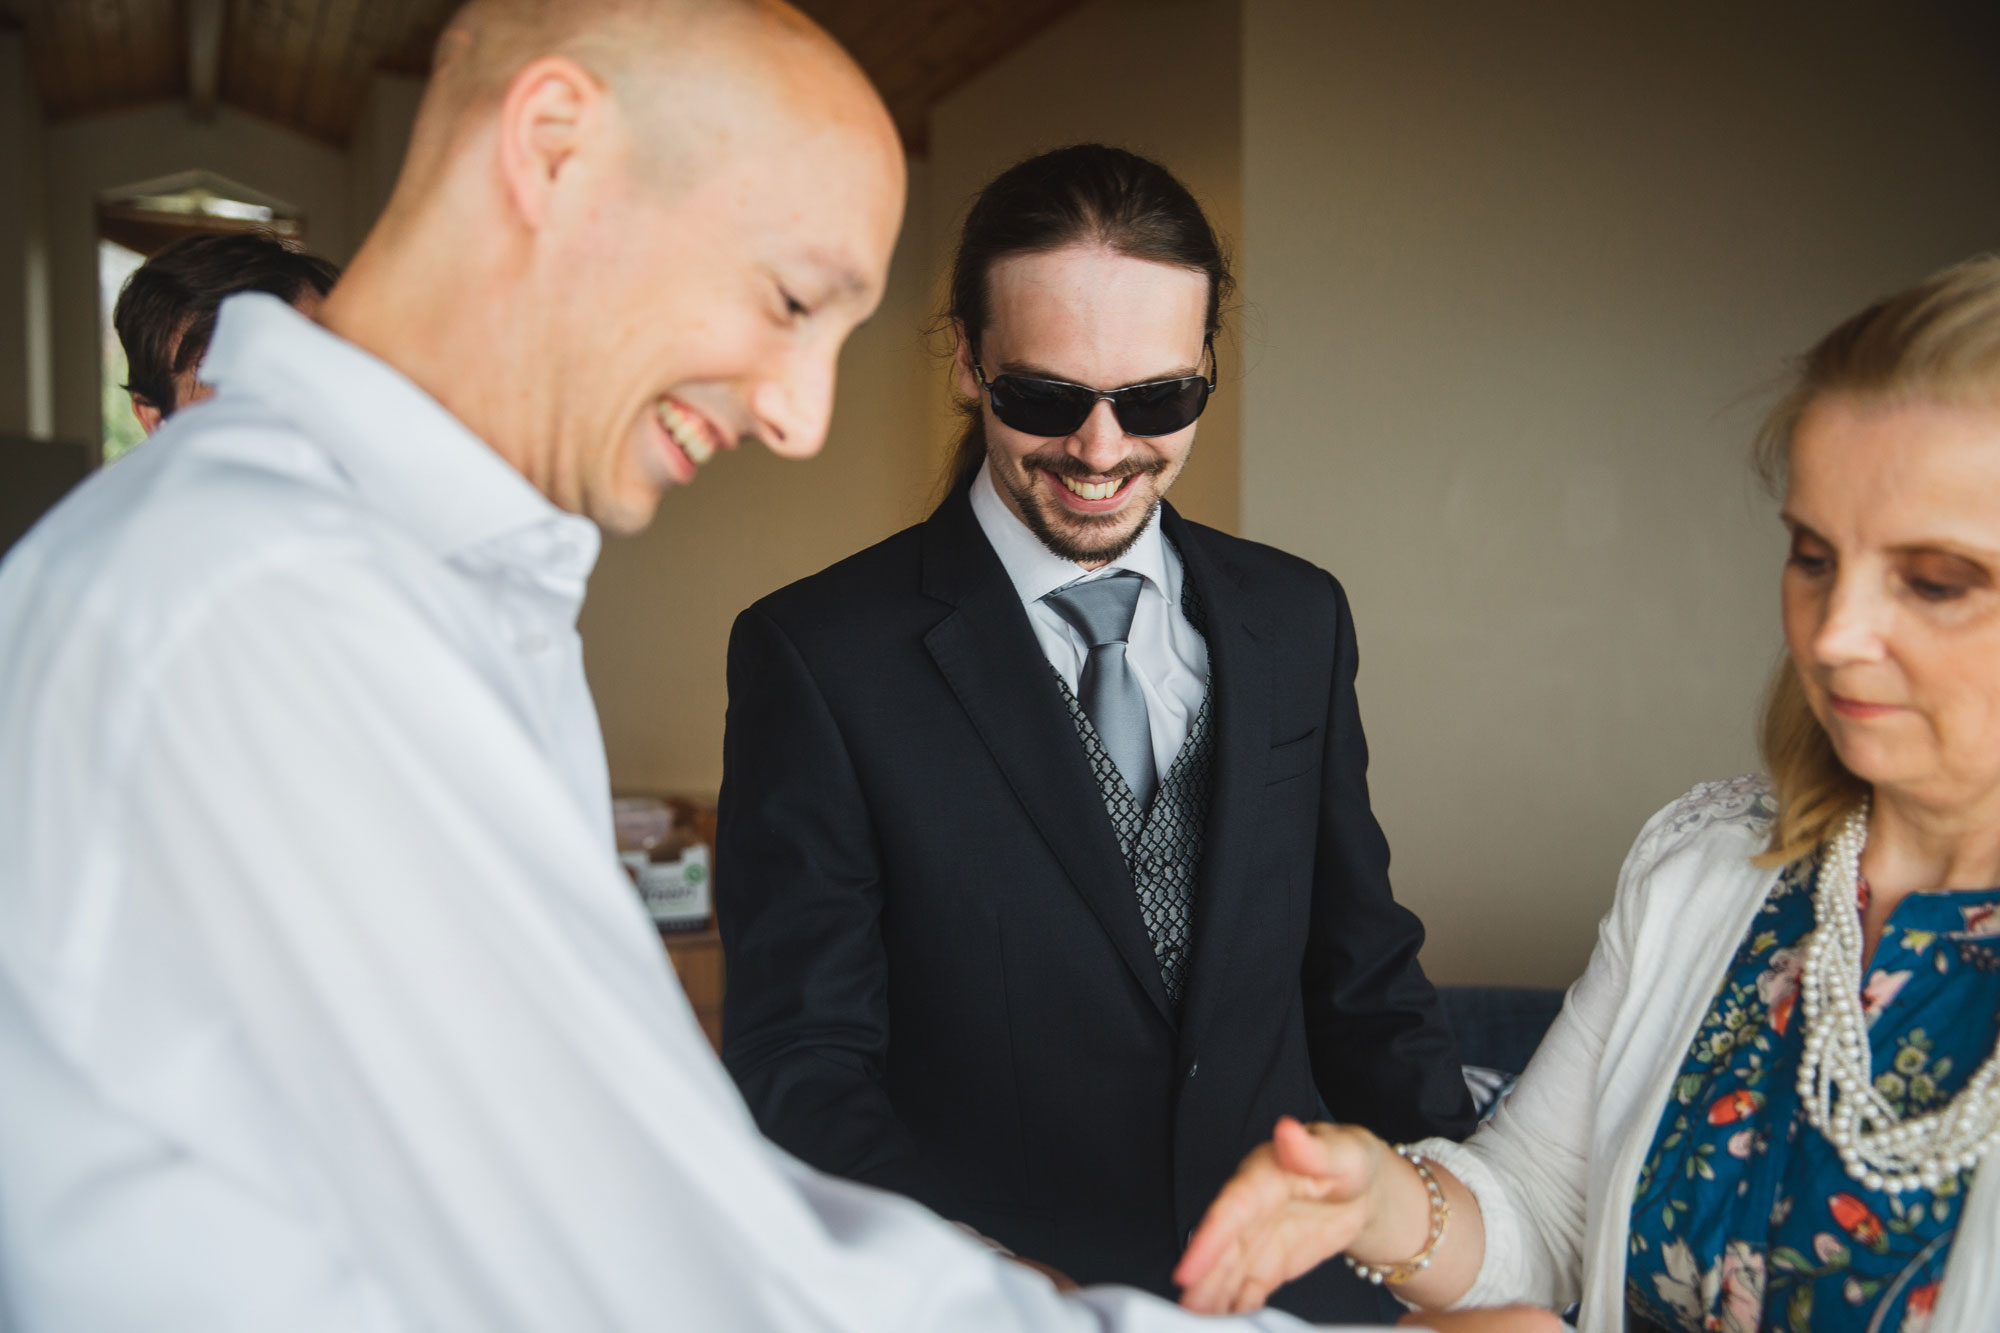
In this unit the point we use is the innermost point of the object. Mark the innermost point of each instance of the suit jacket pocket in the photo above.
(1293, 757)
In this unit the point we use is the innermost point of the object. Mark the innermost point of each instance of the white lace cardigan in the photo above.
(1556, 1168)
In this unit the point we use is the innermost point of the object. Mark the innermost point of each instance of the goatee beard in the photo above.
(1072, 546)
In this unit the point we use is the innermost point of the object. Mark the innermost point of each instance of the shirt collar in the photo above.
(407, 455)
(1037, 571)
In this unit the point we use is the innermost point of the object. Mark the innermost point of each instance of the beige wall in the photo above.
(89, 156)
(1523, 276)
(375, 150)
(1160, 77)
(657, 622)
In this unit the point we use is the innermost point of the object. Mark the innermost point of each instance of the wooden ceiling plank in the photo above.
(301, 30)
(408, 45)
(158, 48)
(248, 54)
(118, 30)
(101, 53)
(855, 24)
(268, 78)
(204, 55)
(132, 81)
(237, 39)
(50, 55)
(333, 71)
(909, 63)
(308, 63)
(936, 33)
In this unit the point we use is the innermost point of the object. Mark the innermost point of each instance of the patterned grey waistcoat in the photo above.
(1162, 846)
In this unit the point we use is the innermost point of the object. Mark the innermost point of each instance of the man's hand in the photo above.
(1294, 1203)
(1063, 1281)
(1497, 1319)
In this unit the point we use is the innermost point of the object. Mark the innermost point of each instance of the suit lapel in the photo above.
(988, 653)
(1240, 676)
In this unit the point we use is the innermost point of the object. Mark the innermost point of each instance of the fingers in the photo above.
(1278, 1248)
(1297, 1149)
(1332, 1161)
(1290, 1206)
(1325, 1162)
(1062, 1280)
(1259, 1186)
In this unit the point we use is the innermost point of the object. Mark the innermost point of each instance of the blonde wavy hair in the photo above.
(1937, 342)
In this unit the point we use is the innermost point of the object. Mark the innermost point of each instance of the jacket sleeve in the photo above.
(1382, 1050)
(798, 887)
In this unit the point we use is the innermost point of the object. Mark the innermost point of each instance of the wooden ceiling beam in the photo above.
(204, 55)
(306, 64)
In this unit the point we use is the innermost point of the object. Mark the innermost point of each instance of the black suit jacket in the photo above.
(938, 979)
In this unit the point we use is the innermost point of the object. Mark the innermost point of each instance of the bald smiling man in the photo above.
(323, 1002)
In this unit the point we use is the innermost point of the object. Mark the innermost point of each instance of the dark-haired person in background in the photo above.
(166, 312)
(1047, 875)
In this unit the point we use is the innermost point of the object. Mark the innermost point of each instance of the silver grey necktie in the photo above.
(1101, 611)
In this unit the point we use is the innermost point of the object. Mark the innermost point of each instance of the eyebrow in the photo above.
(845, 275)
(1958, 550)
(1030, 370)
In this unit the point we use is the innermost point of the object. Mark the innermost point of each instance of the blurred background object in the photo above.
(667, 846)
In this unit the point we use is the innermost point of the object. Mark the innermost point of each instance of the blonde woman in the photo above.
(1769, 1100)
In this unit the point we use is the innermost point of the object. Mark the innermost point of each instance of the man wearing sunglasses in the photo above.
(1046, 870)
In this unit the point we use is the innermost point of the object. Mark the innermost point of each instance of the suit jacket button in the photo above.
(1192, 1066)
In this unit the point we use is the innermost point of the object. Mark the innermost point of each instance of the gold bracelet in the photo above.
(1440, 1214)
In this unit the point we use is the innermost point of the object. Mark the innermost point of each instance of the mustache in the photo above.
(1063, 465)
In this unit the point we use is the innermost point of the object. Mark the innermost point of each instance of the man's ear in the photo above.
(149, 416)
(551, 106)
(968, 383)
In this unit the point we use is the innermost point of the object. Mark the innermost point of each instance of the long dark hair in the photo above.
(1088, 192)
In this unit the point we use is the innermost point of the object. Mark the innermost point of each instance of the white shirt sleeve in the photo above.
(1530, 1165)
(467, 1064)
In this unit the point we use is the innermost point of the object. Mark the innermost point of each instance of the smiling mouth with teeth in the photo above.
(686, 430)
(1092, 490)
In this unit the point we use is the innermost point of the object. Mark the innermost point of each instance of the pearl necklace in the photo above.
(1879, 1149)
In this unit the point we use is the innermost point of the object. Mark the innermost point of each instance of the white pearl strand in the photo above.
(1879, 1150)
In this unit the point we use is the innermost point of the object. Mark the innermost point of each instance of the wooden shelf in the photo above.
(697, 959)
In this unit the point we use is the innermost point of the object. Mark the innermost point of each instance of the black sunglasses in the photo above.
(1057, 407)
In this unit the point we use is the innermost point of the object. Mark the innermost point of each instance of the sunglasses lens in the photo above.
(1052, 408)
(1040, 407)
(1161, 409)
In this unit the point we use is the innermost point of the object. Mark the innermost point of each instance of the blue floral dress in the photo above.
(1745, 1217)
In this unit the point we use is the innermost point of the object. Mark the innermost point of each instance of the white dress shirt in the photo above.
(1166, 652)
(323, 1002)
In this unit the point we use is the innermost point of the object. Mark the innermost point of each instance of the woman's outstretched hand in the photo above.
(1294, 1203)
